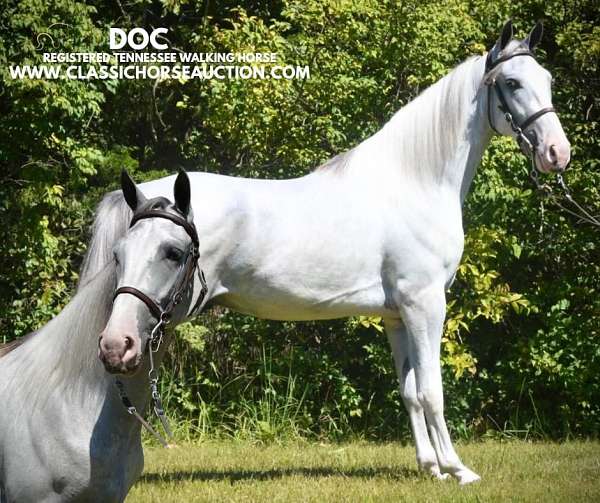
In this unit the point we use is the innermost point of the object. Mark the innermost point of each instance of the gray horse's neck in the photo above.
(60, 362)
(478, 133)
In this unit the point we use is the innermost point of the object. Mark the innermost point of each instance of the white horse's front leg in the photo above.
(398, 339)
(424, 315)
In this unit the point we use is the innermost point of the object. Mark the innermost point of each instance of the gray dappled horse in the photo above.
(65, 434)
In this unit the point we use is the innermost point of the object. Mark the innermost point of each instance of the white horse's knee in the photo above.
(432, 401)
(411, 402)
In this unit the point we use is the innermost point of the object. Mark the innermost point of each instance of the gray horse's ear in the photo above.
(506, 35)
(133, 195)
(535, 36)
(182, 193)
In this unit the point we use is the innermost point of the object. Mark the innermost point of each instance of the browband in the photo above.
(490, 65)
(176, 219)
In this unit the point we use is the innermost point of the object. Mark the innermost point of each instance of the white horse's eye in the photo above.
(174, 254)
(512, 84)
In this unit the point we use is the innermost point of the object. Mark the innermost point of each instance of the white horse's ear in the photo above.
(505, 36)
(182, 193)
(535, 36)
(503, 40)
(133, 195)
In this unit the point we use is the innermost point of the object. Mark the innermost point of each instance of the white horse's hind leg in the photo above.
(424, 315)
(426, 457)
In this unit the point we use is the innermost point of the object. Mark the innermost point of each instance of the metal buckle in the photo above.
(525, 145)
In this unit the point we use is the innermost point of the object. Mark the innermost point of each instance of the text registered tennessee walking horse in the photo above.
(65, 434)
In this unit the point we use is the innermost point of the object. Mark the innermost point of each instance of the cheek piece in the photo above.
(163, 315)
(527, 140)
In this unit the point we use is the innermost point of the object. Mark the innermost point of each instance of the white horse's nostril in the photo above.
(553, 153)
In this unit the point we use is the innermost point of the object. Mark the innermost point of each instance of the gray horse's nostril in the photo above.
(128, 342)
(553, 153)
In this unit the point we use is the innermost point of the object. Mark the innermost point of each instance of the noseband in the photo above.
(527, 141)
(163, 316)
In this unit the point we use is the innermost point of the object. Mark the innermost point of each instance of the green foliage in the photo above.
(520, 348)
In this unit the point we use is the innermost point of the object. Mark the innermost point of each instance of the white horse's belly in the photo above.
(278, 304)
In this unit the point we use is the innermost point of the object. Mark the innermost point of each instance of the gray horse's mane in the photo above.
(112, 219)
(111, 223)
(64, 350)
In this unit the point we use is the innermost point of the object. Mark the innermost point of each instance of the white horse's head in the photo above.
(155, 265)
(520, 90)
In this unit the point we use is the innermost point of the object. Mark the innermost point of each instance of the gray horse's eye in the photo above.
(173, 254)
(512, 84)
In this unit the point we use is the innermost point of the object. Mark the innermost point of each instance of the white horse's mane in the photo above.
(111, 222)
(428, 130)
(425, 133)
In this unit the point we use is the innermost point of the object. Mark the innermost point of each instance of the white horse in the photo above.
(375, 231)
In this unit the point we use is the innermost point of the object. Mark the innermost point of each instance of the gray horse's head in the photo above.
(526, 88)
(151, 259)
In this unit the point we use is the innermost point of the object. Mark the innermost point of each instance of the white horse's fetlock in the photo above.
(441, 476)
(466, 476)
(434, 471)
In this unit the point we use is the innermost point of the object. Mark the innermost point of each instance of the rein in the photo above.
(528, 144)
(546, 190)
(163, 317)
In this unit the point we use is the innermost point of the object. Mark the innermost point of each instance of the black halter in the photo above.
(189, 268)
(526, 140)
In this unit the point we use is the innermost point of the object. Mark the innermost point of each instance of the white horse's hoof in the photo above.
(466, 476)
(441, 476)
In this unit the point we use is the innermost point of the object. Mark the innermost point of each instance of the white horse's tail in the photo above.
(111, 222)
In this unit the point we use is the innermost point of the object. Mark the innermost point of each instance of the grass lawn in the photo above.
(361, 471)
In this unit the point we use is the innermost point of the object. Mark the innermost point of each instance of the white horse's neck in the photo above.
(438, 139)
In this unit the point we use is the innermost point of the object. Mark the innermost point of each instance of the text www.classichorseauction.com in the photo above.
(162, 65)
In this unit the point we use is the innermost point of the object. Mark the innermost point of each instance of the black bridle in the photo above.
(526, 140)
(528, 144)
(163, 315)
(189, 268)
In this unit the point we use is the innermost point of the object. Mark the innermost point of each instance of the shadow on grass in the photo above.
(265, 475)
